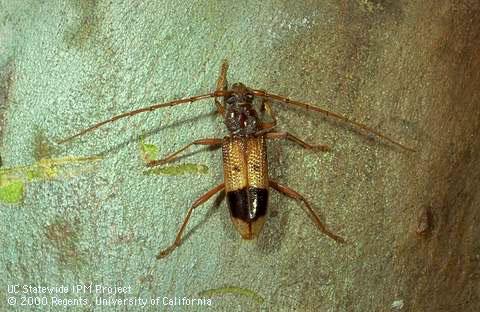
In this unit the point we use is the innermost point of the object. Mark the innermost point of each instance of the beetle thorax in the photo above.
(241, 118)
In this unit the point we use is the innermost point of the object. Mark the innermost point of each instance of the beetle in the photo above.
(246, 181)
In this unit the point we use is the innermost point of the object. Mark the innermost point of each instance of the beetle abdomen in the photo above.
(248, 207)
(245, 171)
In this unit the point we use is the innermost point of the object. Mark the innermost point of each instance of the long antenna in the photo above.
(188, 100)
(287, 101)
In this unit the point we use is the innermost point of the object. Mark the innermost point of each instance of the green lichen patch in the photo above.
(39, 171)
(11, 191)
(178, 170)
(232, 290)
(48, 169)
(13, 180)
(33, 173)
(48, 166)
(149, 151)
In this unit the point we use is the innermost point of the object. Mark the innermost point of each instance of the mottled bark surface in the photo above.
(409, 69)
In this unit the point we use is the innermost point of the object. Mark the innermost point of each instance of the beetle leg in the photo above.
(288, 136)
(222, 85)
(263, 130)
(178, 239)
(212, 142)
(267, 107)
(295, 195)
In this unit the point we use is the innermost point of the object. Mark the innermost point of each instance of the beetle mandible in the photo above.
(246, 181)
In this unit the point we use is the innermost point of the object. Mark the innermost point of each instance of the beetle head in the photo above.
(240, 117)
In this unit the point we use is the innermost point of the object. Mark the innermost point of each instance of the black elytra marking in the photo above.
(248, 204)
